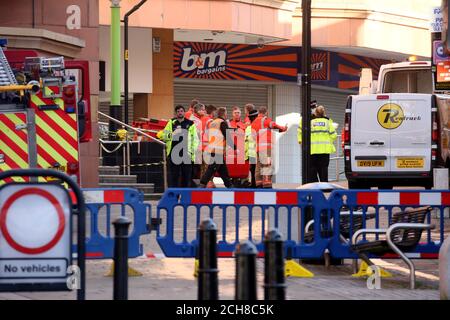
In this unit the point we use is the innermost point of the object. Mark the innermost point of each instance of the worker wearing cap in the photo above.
(323, 135)
(250, 145)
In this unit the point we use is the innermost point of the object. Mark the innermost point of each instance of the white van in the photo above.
(397, 136)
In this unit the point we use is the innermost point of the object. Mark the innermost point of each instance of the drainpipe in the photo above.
(33, 10)
(115, 106)
(306, 90)
(126, 87)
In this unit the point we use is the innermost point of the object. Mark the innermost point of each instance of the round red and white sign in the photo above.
(32, 229)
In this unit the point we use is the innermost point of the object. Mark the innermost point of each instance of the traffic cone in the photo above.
(196, 266)
(131, 272)
(364, 272)
(293, 269)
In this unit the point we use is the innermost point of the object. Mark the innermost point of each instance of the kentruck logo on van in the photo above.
(391, 116)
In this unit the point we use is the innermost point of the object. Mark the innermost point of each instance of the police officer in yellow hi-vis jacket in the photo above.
(182, 141)
(323, 135)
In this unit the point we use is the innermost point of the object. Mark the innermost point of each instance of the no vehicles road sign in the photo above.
(35, 234)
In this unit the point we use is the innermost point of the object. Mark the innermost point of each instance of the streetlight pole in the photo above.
(306, 90)
(115, 108)
(125, 62)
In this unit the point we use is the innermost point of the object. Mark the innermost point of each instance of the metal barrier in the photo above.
(377, 209)
(182, 210)
(245, 214)
(137, 130)
(103, 206)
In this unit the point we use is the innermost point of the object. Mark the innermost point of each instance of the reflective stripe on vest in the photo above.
(321, 131)
(264, 135)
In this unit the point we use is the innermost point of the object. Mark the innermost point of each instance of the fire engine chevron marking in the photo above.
(62, 123)
(11, 154)
(42, 126)
(5, 167)
(68, 134)
(19, 147)
(49, 149)
(19, 138)
(71, 119)
(10, 134)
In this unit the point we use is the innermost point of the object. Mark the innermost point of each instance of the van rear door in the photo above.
(410, 132)
(370, 146)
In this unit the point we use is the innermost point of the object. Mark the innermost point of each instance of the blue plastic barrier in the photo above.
(381, 205)
(244, 214)
(102, 205)
(181, 211)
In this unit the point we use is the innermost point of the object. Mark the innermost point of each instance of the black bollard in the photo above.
(208, 284)
(246, 271)
(121, 258)
(274, 284)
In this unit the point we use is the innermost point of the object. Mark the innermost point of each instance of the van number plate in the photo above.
(370, 163)
(410, 163)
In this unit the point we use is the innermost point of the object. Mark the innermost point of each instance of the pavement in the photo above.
(172, 279)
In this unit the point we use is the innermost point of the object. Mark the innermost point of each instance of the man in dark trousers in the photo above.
(323, 135)
(219, 137)
(180, 136)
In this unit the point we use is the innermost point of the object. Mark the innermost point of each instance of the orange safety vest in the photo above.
(206, 121)
(238, 124)
(216, 140)
(239, 134)
(189, 113)
(262, 126)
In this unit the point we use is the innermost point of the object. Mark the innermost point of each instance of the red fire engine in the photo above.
(44, 112)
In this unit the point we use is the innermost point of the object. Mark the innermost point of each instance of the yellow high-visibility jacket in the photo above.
(250, 143)
(166, 135)
(323, 136)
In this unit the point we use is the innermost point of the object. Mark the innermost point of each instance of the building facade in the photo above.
(244, 51)
(60, 28)
(251, 53)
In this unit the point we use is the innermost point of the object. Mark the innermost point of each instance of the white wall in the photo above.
(140, 59)
(286, 104)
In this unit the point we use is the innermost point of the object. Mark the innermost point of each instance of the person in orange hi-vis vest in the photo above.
(191, 108)
(239, 127)
(219, 139)
(206, 121)
(263, 126)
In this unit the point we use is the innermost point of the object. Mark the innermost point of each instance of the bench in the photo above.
(403, 235)
(346, 225)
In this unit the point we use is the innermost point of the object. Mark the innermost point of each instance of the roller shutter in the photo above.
(221, 95)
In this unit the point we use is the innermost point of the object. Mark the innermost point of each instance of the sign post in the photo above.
(36, 235)
(35, 246)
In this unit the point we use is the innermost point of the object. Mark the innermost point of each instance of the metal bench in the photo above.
(348, 224)
(403, 235)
